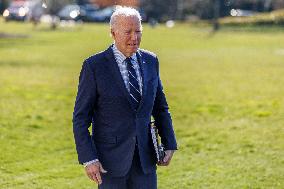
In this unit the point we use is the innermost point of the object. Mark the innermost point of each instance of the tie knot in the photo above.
(128, 60)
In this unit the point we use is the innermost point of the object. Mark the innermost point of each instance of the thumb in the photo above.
(102, 169)
(167, 157)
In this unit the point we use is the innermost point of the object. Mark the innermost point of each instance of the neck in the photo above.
(125, 54)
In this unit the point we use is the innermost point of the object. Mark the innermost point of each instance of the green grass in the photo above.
(225, 92)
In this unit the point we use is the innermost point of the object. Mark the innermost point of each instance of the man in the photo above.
(119, 90)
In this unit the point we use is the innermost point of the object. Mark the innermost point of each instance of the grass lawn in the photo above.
(225, 92)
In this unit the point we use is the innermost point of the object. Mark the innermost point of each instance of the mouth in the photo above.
(132, 44)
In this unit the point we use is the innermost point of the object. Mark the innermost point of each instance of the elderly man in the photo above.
(119, 90)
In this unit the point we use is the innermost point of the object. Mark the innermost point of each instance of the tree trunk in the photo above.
(216, 5)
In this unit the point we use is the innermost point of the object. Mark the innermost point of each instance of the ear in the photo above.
(112, 33)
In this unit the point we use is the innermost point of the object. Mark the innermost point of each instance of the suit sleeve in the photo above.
(162, 116)
(83, 112)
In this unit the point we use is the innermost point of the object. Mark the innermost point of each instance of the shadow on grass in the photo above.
(4, 63)
(252, 28)
(13, 36)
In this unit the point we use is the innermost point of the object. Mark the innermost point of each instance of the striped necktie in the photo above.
(133, 84)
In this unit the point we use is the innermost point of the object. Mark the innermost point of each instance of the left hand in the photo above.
(167, 159)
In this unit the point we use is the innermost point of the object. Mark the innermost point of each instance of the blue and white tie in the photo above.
(133, 84)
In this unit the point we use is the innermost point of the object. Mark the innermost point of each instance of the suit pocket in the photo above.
(105, 139)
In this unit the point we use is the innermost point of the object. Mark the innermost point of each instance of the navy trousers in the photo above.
(134, 179)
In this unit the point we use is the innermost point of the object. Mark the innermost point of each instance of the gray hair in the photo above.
(122, 11)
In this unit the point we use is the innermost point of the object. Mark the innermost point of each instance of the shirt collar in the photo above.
(120, 57)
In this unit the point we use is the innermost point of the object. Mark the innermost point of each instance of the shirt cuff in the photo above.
(90, 162)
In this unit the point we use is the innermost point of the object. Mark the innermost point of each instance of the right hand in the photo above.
(94, 172)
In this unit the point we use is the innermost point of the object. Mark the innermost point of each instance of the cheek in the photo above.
(124, 40)
(139, 40)
(122, 43)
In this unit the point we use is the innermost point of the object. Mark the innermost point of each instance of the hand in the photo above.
(94, 172)
(167, 158)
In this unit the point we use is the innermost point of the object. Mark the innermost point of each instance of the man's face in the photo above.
(127, 34)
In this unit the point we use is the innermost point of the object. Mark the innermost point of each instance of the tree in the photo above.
(3, 5)
(216, 5)
(160, 10)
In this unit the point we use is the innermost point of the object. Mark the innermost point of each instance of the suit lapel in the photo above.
(142, 65)
(114, 69)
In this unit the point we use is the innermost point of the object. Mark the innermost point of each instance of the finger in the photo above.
(99, 179)
(162, 163)
(102, 169)
(166, 158)
(90, 176)
(165, 163)
(89, 173)
(94, 178)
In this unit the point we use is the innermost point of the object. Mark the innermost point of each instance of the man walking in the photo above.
(119, 90)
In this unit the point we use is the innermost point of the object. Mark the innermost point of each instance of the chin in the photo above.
(133, 50)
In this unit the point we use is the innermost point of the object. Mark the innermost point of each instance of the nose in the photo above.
(133, 36)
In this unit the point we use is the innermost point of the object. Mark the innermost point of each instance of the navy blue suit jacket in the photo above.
(104, 101)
